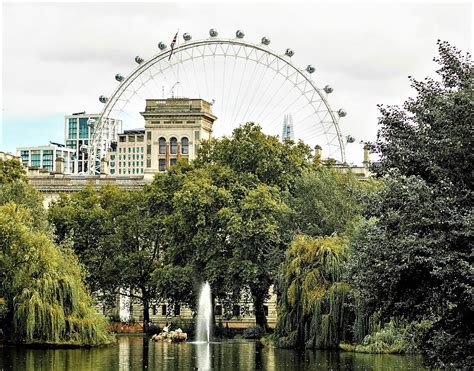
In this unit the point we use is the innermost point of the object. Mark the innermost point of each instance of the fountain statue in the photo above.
(204, 318)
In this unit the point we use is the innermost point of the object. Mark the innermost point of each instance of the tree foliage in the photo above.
(43, 296)
(415, 262)
(11, 171)
(250, 151)
(313, 309)
(115, 238)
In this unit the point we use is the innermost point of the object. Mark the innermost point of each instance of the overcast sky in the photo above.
(59, 57)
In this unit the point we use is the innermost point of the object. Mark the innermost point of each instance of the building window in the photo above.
(72, 128)
(148, 163)
(162, 146)
(184, 146)
(148, 149)
(265, 310)
(173, 162)
(163, 310)
(35, 158)
(131, 138)
(112, 157)
(173, 146)
(153, 308)
(236, 310)
(123, 139)
(112, 171)
(148, 135)
(177, 310)
(83, 128)
(161, 164)
(218, 310)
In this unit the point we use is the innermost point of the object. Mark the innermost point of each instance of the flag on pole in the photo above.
(173, 43)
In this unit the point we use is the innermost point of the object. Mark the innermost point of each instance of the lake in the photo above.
(138, 353)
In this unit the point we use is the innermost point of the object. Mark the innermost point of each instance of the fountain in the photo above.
(203, 328)
(204, 318)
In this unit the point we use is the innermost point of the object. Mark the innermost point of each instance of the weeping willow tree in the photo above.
(42, 287)
(315, 306)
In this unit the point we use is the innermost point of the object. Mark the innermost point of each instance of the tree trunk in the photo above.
(146, 311)
(259, 311)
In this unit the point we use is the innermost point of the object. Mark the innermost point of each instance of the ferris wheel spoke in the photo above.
(249, 83)
(252, 102)
(265, 90)
(238, 93)
(190, 78)
(224, 100)
(275, 94)
(280, 113)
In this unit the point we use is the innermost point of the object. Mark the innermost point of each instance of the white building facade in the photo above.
(44, 157)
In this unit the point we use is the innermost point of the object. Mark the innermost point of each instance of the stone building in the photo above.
(173, 129)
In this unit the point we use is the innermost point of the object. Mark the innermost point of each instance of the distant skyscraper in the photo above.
(288, 131)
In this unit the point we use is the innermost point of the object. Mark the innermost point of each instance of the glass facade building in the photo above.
(78, 131)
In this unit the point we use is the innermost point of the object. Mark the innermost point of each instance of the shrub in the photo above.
(393, 338)
(222, 332)
(254, 332)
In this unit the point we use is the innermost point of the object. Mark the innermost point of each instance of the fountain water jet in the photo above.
(204, 319)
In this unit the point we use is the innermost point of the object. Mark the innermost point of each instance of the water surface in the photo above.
(138, 353)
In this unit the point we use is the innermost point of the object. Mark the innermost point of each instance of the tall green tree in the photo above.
(315, 306)
(416, 261)
(113, 234)
(258, 244)
(43, 298)
(197, 210)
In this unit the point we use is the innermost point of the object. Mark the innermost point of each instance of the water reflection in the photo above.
(138, 353)
(203, 356)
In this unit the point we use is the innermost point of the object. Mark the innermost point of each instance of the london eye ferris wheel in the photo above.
(244, 81)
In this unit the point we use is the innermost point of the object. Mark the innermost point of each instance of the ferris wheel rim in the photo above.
(192, 44)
